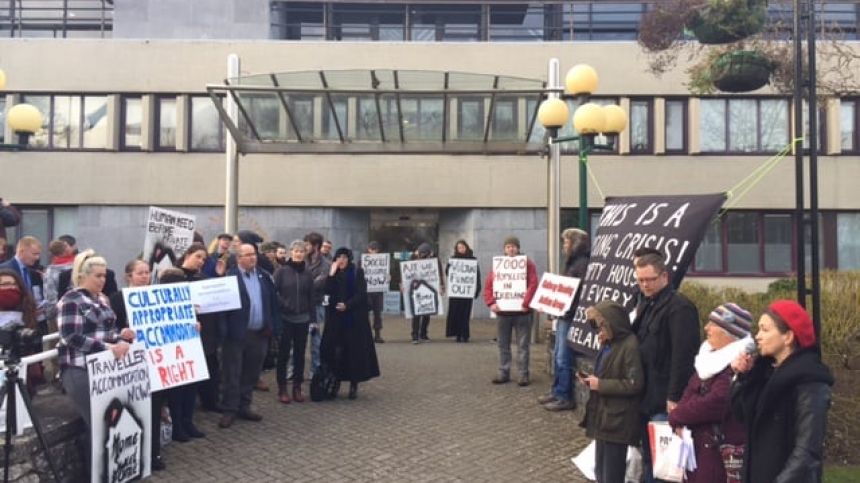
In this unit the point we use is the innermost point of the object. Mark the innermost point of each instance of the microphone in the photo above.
(751, 348)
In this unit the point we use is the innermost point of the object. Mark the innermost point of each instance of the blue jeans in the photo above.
(562, 384)
(647, 466)
(316, 338)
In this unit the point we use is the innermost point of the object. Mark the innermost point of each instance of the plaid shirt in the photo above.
(85, 325)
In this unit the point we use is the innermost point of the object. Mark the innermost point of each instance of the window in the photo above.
(820, 123)
(298, 20)
(447, 22)
(132, 123)
(848, 241)
(44, 223)
(603, 20)
(848, 120)
(302, 112)
(165, 128)
(470, 119)
(640, 126)
(748, 243)
(422, 118)
(329, 126)
(207, 132)
(70, 121)
(740, 125)
(504, 121)
(517, 23)
(367, 22)
(676, 126)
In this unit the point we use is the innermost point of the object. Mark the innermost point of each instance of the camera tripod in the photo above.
(8, 394)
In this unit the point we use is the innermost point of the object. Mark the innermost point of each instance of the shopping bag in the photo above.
(584, 462)
(665, 452)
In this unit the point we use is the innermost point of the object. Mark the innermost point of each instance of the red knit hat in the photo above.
(797, 319)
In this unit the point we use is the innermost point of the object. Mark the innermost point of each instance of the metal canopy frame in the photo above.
(249, 138)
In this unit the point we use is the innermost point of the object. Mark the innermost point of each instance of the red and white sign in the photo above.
(555, 294)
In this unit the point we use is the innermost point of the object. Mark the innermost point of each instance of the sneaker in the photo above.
(547, 398)
(523, 381)
(157, 465)
(416, 341)
(560, 405)
(501, 379)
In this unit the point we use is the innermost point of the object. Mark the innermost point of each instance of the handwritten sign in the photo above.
(509, 282)
(163, 318)
(427, 294)
(555, 294)
(377, 271)
(216, 294)
(120, 413)
(673, 225)
(168, 234)
(462, 278)
(391, 303)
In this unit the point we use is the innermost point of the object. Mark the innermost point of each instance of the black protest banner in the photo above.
(674, 225)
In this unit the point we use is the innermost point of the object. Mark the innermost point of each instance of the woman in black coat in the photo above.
(783, 397)
(460, 309)
(347, 344)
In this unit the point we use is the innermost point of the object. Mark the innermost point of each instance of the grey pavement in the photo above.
(433, 416)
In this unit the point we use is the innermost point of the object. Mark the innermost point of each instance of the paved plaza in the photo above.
(433, 416)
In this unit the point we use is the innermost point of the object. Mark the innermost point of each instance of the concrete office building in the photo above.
(128, 124)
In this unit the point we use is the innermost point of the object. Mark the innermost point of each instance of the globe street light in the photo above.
(24, 120)
(589, 120)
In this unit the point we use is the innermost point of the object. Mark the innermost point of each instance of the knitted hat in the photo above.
(424, 249)
(512, 240)
(373, 245)
(797, 319)
(343, 251)
(733, 318)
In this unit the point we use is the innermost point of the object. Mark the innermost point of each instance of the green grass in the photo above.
(841, 474)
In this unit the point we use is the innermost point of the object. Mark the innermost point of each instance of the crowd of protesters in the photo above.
(756, 406)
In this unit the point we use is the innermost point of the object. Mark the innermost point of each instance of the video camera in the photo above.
(14, 337)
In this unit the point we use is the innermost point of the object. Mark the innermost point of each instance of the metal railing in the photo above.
(56, 18)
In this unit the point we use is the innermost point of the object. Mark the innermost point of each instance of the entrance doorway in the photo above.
(400, 231)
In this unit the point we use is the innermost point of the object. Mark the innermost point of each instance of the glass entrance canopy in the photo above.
(382, 111)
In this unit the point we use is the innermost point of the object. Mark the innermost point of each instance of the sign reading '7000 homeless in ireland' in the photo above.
(674, 225)
(510, 282)
(164, 319)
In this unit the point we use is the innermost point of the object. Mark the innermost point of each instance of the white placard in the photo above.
(554, 294)
(377, 271)
(120, 415)
(462, 278)
(391, 302)
(172, 232)
(510, 282)
(421, 287)
(163, 319)
(219, 294)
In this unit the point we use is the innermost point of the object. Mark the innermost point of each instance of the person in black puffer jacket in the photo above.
(783, 397)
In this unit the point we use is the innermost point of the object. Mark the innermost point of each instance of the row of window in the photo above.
(755, 243)
(725, 125)
(477, 21)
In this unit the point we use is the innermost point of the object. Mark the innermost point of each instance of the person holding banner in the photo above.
(783, 397)
(421, 323)
(87, 325)
(460, 309)
(612, 411)
(375, 299)
(576, 245)
(515, 319)
(667, 325)
(347, 345)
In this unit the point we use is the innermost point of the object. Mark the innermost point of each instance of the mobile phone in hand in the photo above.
(582, 374)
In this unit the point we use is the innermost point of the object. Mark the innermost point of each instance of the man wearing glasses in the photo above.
(667, 326)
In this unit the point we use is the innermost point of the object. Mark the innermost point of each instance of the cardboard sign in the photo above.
(168, 235)
(120, 412)
(391, 303)
(164, 320)
(555, 294)
(462, 278)
(510, 282)
(219, 294)
(377, 271)
(674, 225)
(421, 287)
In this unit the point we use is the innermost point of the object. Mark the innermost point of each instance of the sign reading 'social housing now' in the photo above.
(164, 320)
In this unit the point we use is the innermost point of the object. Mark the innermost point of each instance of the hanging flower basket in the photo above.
(741, 71)
(725, 21)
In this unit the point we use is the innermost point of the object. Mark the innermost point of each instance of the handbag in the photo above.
(665, 452)
(732, 456)
(324, 384)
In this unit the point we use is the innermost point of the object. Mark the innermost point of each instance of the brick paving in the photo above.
(433, 416)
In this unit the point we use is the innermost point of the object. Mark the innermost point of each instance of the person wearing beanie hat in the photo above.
(519, 321)
(375, 300)
(783, 397)
(612, 411)
(421, 323)
(704, 407)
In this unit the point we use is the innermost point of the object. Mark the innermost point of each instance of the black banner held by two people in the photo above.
(674, 225)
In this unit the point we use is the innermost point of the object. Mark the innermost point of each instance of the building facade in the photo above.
(128, 124)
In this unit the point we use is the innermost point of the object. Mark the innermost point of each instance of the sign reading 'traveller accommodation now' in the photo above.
(674, 225)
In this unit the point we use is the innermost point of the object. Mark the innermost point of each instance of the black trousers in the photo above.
(610, 462)
(294, 338)
(181, 401)
(419, 326)
(158, 400)
(242, 362)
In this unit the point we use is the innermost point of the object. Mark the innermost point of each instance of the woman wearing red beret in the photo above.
(783, 397)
